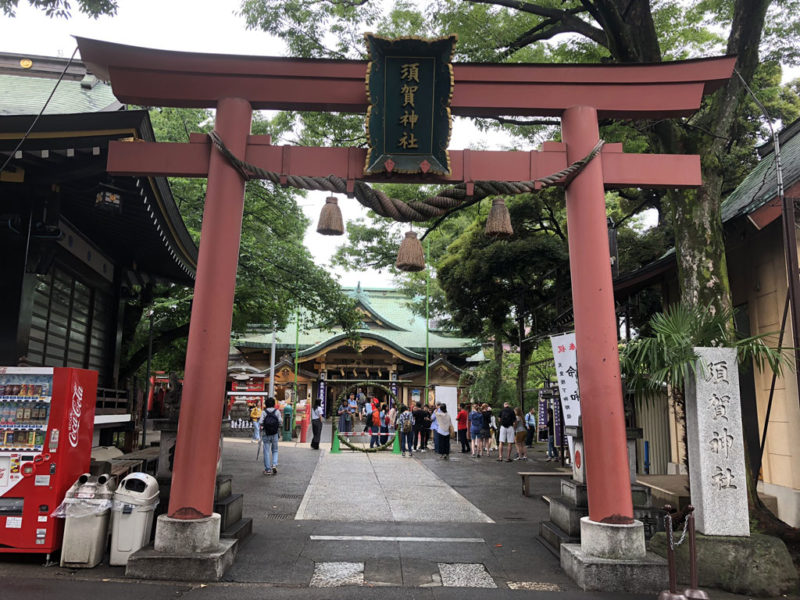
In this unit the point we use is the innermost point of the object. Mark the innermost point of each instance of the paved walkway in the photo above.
(338, 527)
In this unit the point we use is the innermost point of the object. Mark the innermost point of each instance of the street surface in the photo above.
(354, 525)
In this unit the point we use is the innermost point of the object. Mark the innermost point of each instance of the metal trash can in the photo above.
(86, 507)
(135, 502)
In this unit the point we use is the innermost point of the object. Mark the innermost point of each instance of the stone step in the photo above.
(223, 488)
(230, 510)
(567, 516)
(239, 530)
(553, 536)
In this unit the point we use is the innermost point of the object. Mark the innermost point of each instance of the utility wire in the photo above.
(41, 112)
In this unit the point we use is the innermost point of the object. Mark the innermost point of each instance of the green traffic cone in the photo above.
(396, 446)
(335, 443)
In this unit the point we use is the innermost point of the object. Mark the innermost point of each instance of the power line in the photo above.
(41, 112)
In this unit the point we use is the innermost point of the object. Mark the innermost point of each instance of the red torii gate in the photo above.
(237, 85)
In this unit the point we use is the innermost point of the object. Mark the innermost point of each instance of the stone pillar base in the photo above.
(646, 575)
(613, 558)
(184, 550)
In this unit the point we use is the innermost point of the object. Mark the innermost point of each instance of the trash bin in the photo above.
(135, 502)
(85, 508)
(287, 423)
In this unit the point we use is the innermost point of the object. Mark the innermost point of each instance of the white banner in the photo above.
(565, 355)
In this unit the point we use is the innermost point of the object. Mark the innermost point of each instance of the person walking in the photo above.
(520, 433)
(432, 429)
(551, 436)
(507, 420)
(384, 424)
(419, 425)
(463, 432)
(270, 423)
(530, 422)
(345, 417)
(255, 415)
(374, 423)
(316, 424)
(392, 418)
(486, 428)
(444, 429)
(405, 429)
(475, 424)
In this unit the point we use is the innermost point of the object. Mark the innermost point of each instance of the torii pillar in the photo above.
(579, 94)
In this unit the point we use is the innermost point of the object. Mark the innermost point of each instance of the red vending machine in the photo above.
(46, 426)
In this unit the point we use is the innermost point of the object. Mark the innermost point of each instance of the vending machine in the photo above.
(46, 426)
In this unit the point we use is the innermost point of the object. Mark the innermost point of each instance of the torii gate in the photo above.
(237, 85)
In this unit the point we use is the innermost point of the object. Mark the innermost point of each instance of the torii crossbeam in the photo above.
(236, 85)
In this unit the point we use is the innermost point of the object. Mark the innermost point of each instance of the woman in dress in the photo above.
(443, 426)
(475, 424)
(345, 417)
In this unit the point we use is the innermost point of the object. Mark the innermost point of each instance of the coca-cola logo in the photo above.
(74, 419)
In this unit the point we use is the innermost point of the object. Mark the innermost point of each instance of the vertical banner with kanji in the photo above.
(323, 389)
(565, 356)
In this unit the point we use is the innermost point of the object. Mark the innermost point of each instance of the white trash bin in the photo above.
(86, 508)
(132, 516)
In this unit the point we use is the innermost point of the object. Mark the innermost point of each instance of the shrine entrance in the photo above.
(236, 85)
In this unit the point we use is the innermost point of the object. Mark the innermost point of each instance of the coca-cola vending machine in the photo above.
(46, 425)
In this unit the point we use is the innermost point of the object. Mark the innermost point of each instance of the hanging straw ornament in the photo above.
(330, 218)
(410, 256)
(498, 225)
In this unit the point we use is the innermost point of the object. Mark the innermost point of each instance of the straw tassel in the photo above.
(410, 256)
(498, 224)
(330, 218)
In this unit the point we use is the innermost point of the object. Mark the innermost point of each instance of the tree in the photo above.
(276, 274)
(62, 8)
(621, 31)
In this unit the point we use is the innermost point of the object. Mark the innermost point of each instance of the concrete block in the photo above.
(644, 575)
(566, 515)
(758, 565)
(230, 510)
(611, 540)
(149, 563)
(223, 488)
(575, 492)
(553, 536)
(179, 536)
(239, 530)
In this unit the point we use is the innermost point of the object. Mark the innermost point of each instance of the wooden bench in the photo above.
(527, 476)
(120, 468)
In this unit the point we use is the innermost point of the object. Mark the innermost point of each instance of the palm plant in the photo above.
(668, 356)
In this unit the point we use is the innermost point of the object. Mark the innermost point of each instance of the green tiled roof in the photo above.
(20, 95)
(26, 81)
(389, 318)
(760, 186)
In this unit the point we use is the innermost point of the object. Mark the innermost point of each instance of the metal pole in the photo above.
(147, 386)
(272, 363)
(427, 312)
(296, 350)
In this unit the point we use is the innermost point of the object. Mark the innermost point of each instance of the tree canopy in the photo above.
(62, 8)
(276, 275)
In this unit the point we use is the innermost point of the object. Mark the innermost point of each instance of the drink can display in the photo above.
(19, 417)
(39, 438)
(31, 438)
(26, 414)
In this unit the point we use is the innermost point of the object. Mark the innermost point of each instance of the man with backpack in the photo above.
(405, 429)
(507, 435)
(270, 423)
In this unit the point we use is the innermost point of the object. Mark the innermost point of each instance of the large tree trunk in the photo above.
(525, 352)
(497, 346)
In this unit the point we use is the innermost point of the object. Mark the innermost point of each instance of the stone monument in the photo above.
(717, 475)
